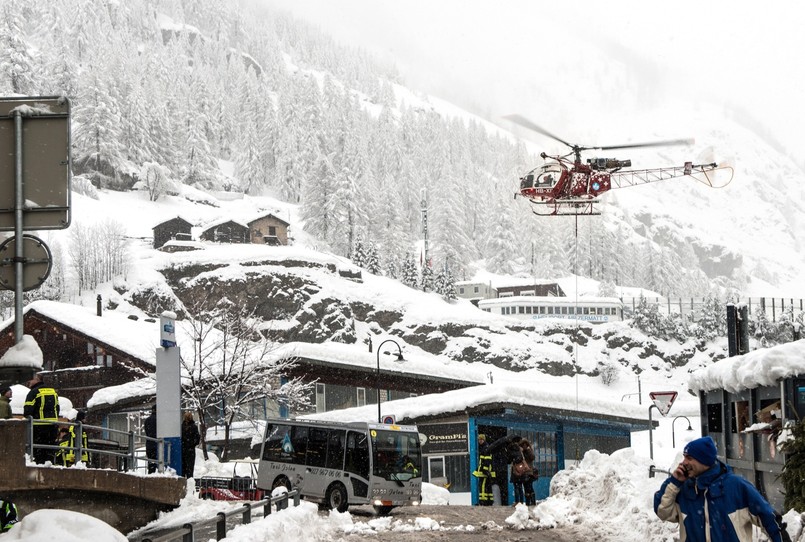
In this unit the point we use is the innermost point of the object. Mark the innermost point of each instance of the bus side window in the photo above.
(316, 447)
(272, 450)
(299, 441)
(357, 456)
(335, 450)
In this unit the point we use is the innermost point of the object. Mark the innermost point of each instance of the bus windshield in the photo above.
(397, 455)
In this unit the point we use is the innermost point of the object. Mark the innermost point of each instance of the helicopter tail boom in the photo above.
(703, 173)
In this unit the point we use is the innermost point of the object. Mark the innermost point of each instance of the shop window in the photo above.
(740, 416)
(714, 423)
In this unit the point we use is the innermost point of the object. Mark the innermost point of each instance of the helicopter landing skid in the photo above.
(566, 207)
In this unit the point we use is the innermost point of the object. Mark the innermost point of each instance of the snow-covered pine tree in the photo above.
(647, 318)
(371, 260)
(409, 274)
(358, 253)
(711, 322)
(426, 281)
(445, 283)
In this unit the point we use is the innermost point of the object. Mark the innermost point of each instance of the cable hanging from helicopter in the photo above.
(562, 186)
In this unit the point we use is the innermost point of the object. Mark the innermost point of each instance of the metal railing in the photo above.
(126, 456)
(774, 307)
(187, 531)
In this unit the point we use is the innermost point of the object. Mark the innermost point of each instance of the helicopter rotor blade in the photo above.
(667, 143)
(525, 123)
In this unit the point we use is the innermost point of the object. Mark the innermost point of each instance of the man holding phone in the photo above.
(709, 502)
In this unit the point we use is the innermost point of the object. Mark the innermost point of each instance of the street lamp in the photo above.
(673, 435)
(399, 358)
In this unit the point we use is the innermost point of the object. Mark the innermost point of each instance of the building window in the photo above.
(272, 231)
(475, 289)
(320, 404)
(361, 397)
(461, 290)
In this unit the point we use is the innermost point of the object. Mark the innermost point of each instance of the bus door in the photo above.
(324, 460)
(357, 464)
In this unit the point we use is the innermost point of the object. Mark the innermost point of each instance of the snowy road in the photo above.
(455, 524)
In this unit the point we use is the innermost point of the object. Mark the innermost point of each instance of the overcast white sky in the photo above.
(575, 66)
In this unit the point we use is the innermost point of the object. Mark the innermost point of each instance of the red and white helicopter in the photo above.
(562, 186)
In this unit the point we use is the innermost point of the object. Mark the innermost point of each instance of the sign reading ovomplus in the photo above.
(663, 400)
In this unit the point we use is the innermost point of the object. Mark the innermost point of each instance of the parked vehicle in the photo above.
(241, 486)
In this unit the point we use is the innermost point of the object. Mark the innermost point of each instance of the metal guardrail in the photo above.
(127, 453)
(187, 531)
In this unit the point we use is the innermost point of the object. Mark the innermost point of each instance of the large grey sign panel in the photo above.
(45, 162)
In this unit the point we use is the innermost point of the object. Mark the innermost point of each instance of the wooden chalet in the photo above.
(228, 231)
(269, 230)
(84, 351)
(175, 228)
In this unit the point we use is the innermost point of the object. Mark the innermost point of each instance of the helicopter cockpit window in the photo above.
(527, 181)
(548, 176)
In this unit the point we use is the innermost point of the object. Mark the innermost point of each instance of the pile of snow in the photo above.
(605, 492)
(62, 525)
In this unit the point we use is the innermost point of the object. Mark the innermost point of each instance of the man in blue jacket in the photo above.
(710, 503)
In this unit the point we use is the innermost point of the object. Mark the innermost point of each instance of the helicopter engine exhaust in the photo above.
(608, 163)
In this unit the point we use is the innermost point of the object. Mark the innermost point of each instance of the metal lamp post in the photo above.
(673, 435)
(399, 358)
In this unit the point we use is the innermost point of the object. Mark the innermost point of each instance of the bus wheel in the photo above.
(383, 510)
(336, 497)
(281, 481)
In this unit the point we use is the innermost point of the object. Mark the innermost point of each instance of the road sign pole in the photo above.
(651, 432)
(19, 251)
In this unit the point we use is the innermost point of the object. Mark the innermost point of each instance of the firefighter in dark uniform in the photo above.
(491, 471)
(8, 515)
(42, 404)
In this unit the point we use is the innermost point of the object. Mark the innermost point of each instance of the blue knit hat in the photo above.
(702, 450)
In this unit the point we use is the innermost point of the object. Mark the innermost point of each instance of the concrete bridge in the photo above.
(123, 500)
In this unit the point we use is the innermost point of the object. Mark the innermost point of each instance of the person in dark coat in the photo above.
(528, 484)
(515, 455)
(150, 428)
(42, 404)
(5, 402)
(190, 439)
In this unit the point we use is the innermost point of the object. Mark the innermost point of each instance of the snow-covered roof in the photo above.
(138, 338)
(128, 392)
(762, 367)
(415, 363)
(488, 394)
(25, 353)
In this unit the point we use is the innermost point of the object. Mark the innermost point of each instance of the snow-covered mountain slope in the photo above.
(321, 302)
